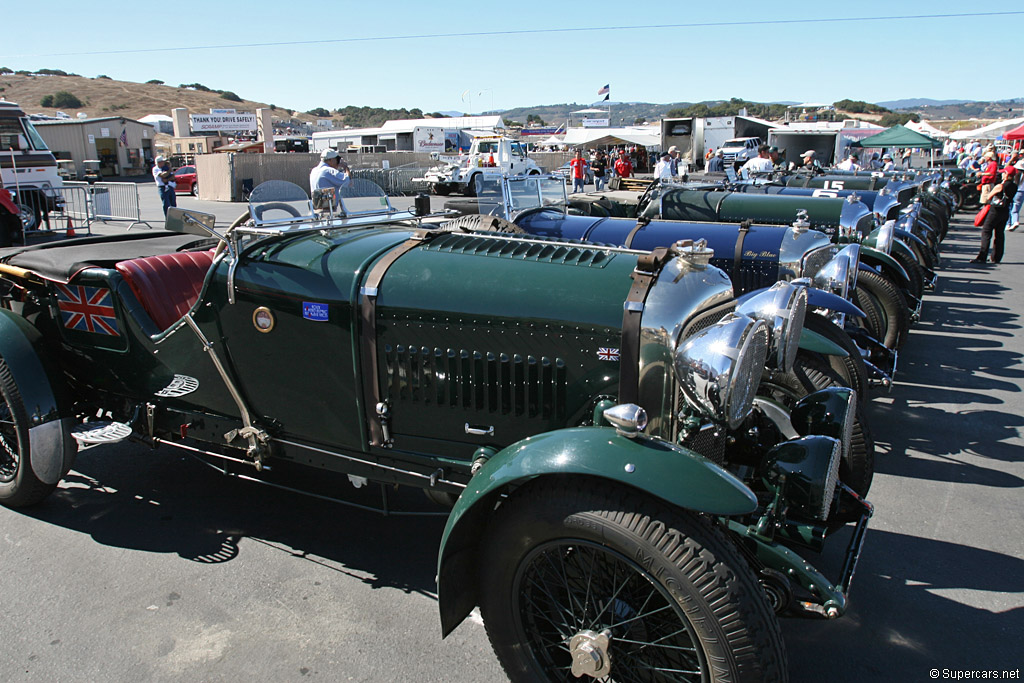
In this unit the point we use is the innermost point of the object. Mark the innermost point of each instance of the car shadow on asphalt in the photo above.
(910, 612)
(126, 497)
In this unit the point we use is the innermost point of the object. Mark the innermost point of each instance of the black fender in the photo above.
(51, 447)
(658, 468)
(886, 265)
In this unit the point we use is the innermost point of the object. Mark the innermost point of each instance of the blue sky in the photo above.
(940, 58)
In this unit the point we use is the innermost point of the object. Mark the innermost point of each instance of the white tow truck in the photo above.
(495, 155)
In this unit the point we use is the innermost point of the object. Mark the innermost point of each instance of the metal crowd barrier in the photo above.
(113, 201)
(394, 181)
(55, 209)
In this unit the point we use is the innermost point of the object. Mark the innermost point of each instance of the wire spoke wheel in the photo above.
(585, 580)
(9, 450)
(571, 587)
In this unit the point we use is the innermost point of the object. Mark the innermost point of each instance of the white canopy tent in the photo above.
(989, 132)
(602, 137)
(926, 128)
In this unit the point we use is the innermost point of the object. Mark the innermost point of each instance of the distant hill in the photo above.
(622, 113)
(103, 96)
(107, 97)
(913, 103)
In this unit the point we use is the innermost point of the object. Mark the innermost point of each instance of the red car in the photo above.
(186, 179)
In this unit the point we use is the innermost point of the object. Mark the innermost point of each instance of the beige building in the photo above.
(188, 147)
(123, 146)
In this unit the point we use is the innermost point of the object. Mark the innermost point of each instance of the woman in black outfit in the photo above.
(998, 213)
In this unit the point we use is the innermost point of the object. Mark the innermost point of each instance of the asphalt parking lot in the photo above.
(147, 565)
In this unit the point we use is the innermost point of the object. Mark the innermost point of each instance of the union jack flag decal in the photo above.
(87, 309)
(607, 353)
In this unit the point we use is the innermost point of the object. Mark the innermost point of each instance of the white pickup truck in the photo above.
(739, 150)
(488, 155)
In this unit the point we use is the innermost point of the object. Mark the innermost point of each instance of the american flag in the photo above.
(607, 353)
(87, 309)
(123, 138)
(604, 89)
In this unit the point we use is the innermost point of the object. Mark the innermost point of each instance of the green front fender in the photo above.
(817, 342)
(674, 474)
(887, 264)
(20, 349)
(51, 449)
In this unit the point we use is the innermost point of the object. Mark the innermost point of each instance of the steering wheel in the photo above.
(645, 198)
(276, 206)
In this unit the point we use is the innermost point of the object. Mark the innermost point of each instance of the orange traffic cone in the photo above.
(71, 228)
(490, 161)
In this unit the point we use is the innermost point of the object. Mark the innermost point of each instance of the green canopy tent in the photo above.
(899, 136)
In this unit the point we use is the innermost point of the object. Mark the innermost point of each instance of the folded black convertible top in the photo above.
(61, 260)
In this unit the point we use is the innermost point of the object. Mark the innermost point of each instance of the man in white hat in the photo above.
(887, 162)
(809, 163)
(331, 172)
(165, 184)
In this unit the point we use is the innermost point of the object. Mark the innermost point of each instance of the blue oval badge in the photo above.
(314, 311)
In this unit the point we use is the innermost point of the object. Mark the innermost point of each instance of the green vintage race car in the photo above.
(623, 504)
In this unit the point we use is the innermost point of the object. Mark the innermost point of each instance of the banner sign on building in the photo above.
(542, 130)
(202, 123)
(427, 139)
(595, 123)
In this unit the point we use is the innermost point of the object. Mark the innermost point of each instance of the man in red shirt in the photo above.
(623, 167)
(579, 172)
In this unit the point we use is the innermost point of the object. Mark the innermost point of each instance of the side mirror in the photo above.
(192, 223)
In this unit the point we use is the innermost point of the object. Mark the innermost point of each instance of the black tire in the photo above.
(810, 374)
(851, 368)
(889, 319)
(914, 272)
(584, 531)
(470, 190)
(29, 216)
(442, 189)
(19, 486)
(195, 189)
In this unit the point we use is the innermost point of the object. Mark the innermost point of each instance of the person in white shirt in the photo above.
(663, 169)
(165, 184)
(850, 164)
(331, 172)
(762, 163)
(887, 164)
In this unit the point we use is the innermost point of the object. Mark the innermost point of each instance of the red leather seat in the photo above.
(167, 285)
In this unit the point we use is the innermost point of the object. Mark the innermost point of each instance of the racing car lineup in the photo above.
(640, 407)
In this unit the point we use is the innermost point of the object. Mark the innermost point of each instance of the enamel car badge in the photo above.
(263, 319)
(607, 353)
(312, 310)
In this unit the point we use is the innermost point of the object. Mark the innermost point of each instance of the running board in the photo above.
(101, 432)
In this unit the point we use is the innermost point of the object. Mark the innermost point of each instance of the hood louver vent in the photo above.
(569, 254)
(483, 381)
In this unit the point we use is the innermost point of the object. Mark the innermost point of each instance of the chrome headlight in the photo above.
(839, 275)
(720, 367)
(782, 307)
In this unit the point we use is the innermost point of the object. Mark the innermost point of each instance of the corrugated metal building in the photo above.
(123, 146)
